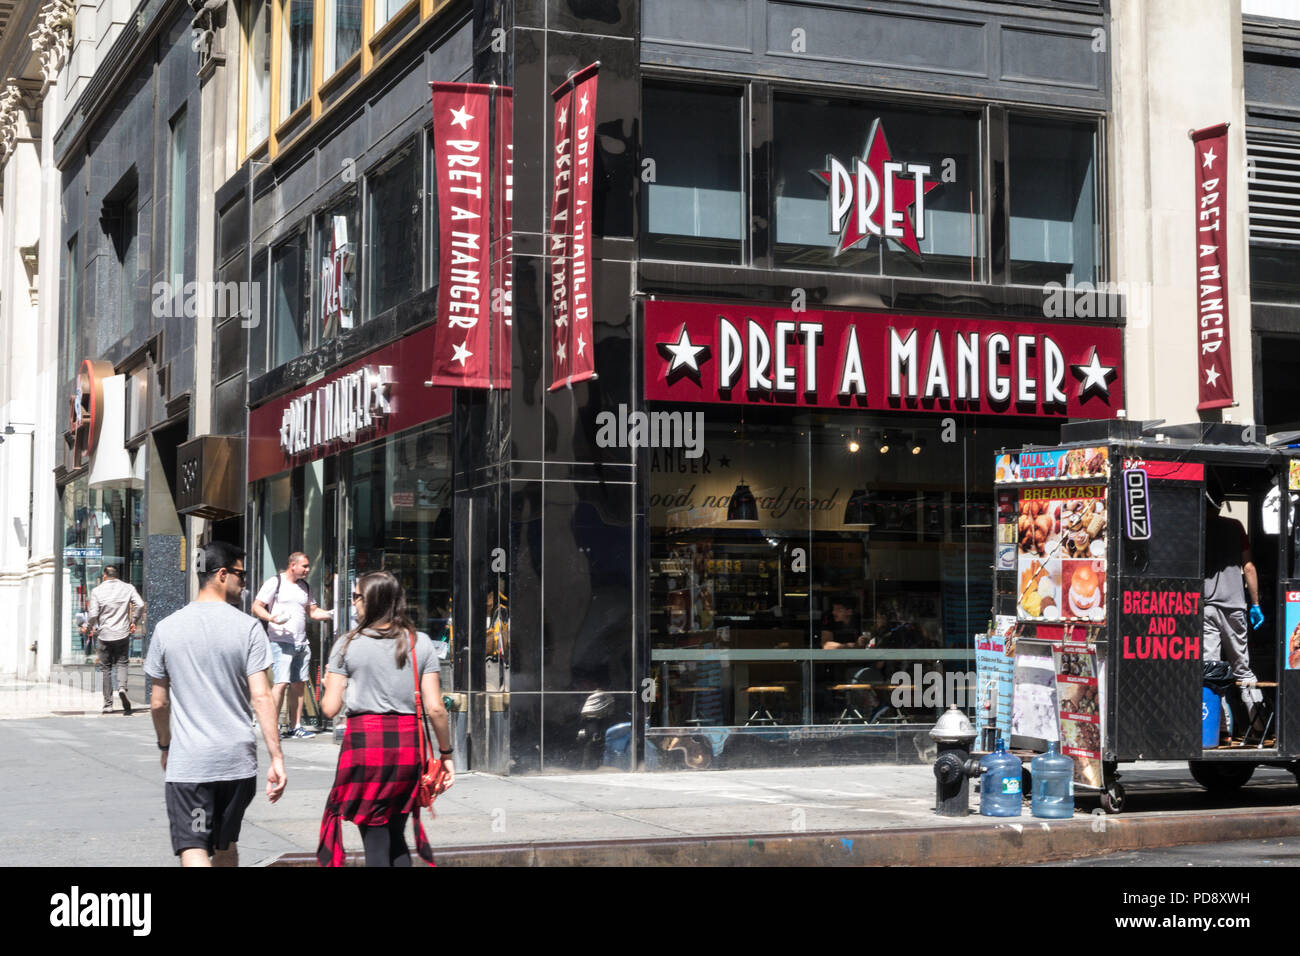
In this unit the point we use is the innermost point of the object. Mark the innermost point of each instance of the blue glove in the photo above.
(1256, 617)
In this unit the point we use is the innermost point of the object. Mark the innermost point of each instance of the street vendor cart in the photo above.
(1099, 584)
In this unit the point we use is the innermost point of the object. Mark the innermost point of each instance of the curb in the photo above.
(1003, 844)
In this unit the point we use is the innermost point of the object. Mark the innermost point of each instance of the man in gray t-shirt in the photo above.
(208, 663)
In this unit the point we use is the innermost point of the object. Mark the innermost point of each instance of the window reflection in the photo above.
(863, 572)
(1054, 232)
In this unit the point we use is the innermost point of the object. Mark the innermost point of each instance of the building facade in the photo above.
(915, 232)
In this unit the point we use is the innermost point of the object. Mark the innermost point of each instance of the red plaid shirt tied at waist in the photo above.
(379, 768)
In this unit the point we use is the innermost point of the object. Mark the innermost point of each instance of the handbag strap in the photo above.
(419, 705)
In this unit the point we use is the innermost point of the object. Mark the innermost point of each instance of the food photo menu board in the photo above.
(1078, 694)
(1052, 464)
(1061, 553)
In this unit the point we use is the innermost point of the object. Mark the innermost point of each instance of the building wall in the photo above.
(1168, 81)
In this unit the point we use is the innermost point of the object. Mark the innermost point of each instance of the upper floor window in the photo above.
(176, 225)
(257, 78)
(290, 313)
(878, 190)
(338, 251)
(385, 10)
(1054, 220)
(296, 54)
(342, 32)
(694, 205)
(394, 216)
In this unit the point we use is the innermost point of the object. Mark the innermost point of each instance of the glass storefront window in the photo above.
(940, 149)
(338, 249)
(1054, 228)
(296, 51)
(102, 527)
(290, 315)
(394, 216)
(857, 566)
(694, 208)
(399, 507)
(257, 103)
(342, 32)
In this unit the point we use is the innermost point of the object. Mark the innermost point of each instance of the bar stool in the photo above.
(761, 691)
(850, 714)
(694, 720)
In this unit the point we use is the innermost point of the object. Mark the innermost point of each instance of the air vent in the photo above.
(1274, 182)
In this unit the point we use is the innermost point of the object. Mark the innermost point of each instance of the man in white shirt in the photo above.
(115, 610)
(284, 604)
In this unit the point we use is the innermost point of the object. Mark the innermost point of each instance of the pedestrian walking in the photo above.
(283, 604)
(370, 675)
(114, 612)
(208, 663)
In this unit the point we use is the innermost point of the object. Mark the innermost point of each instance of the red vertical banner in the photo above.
(461, 145)
(574, 164)
(1214, 345)
(503, 187)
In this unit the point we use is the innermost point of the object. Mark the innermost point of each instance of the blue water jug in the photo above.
(1000, 794)
(1053, 775)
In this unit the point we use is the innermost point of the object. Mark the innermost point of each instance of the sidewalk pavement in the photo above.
(88, 792)
(75, 690)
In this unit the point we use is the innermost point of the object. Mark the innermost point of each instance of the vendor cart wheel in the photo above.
(1113, 798)
(1220, 776)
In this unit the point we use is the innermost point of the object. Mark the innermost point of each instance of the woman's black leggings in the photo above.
(386, 845)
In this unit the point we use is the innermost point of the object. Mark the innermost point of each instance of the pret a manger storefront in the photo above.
(819, 560)
(355, 471)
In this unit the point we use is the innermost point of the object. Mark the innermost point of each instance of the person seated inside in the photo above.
(841, 627)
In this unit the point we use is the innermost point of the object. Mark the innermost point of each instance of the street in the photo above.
(87, 791)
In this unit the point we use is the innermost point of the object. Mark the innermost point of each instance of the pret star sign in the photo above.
(872, 198)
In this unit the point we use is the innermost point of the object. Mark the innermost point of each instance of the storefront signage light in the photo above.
(340, 410)
(871, 197)
(756, 355)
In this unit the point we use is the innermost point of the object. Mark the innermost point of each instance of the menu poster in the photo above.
(1061, 546)
(1033, 697)
(1056, 464)
(1293, 630)
(1079, 694)
(993, 681)
(1293, 475)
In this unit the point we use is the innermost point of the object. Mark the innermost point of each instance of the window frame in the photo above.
(411, 144)
(300, 230)
(759, 95)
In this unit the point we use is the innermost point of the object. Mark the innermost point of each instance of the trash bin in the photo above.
(1211, 716)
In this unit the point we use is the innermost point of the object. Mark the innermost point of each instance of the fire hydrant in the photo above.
(954, 768)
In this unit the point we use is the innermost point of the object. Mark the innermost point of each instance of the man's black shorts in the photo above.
(208, 816)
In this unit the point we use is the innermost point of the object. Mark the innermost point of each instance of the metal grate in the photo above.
(1273, 178)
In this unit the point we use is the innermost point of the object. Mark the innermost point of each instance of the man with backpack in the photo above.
(283, 604)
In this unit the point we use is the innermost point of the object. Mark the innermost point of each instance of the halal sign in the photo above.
(872, 196)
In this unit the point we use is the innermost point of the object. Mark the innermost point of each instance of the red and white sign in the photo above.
(574, 162)
(1214, 352)
(336, 280)
(503, 196)
(461, 147)
(1167, 470)
(379, 394)
(873, 195)
(735, 354)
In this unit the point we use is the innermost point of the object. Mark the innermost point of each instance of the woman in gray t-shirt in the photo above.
(379, 761)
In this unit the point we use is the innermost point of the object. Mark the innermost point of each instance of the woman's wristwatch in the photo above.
(445, 753)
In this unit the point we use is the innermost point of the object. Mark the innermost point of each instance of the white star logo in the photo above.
(564, 112)
(1208, 158)
(581, 344)
(684, 355)
(461, 118)
(559, 351)
(582, 107)
(1212, 375)
(1093, 375)
(461, 353)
